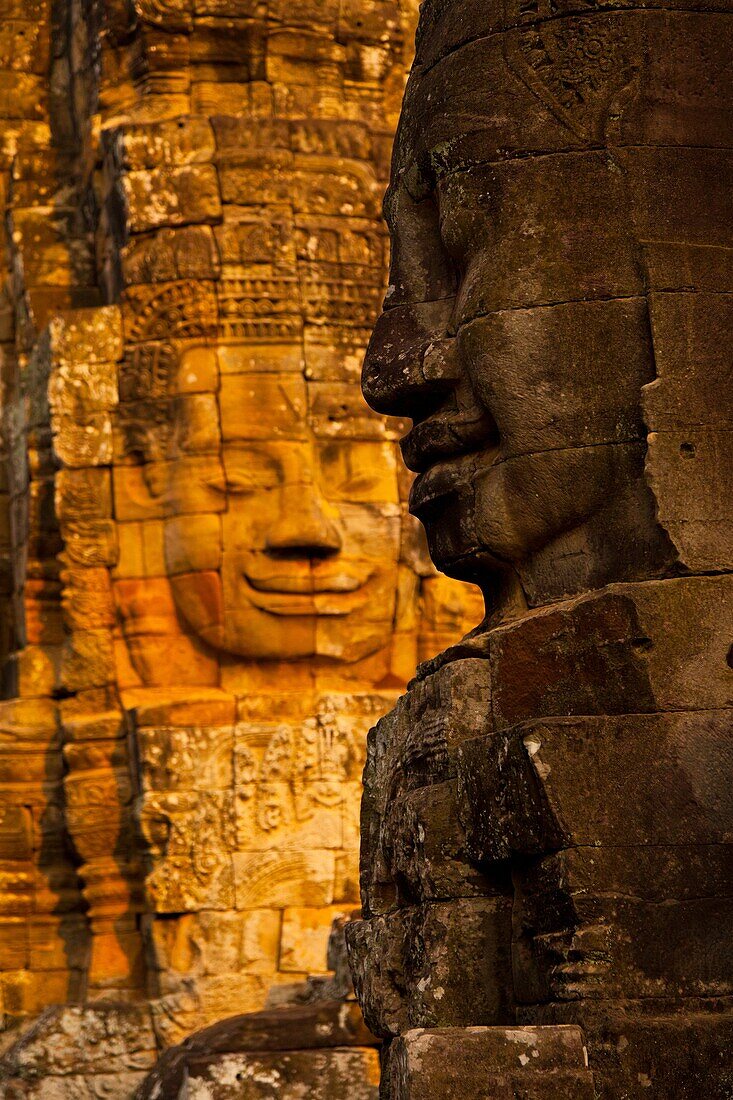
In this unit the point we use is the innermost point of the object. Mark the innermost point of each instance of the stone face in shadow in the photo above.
(559, 303)
(537, 380)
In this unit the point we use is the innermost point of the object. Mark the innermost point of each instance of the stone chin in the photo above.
(558, 520)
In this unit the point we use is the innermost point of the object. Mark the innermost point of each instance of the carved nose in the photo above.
(394, 378)
(303, 532)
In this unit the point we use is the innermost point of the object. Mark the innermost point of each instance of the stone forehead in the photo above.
(482, 103)
(492, 82)
(446, 25)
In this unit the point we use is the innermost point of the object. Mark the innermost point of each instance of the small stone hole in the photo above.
(687, 450)
(729, 658)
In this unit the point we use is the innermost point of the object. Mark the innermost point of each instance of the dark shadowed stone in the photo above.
(433, 965)
(317, 1074)
(561, 196)
(494, 1063)
(295, 1028)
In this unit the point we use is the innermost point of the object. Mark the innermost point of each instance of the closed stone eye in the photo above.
(359, 484)
(237, 483)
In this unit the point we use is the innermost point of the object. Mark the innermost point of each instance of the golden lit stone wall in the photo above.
(49, 266)
(233, 589)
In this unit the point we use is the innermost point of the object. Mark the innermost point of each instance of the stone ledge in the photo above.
(495, 1063)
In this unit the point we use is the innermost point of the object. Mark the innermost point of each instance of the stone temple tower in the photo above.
(547, 818)
(211, 585)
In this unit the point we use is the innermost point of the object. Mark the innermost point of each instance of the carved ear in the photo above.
(144, 417)
(145, 427)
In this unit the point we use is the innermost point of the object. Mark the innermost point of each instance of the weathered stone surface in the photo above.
(497, 1063)
(209, 577)
(434, 965)
(242, 1040)
(672, 768)
(70, 1051)
(324, 1074)
(563, 360)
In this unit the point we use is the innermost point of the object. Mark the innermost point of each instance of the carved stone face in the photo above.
(515, 331)
(282, 538)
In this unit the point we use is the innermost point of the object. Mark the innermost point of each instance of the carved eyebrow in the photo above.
(252, 460)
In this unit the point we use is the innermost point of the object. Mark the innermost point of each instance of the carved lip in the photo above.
(304, 578)
(447, 478)
(443, 436)
(281, 603)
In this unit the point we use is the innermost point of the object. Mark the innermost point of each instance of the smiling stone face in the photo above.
(516, 330)
(284, 541)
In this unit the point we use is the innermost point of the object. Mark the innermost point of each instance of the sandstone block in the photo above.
(190, 836)
(91, 542)
(132, 495)
(76, 388)
(87, 336)
(215, 944)
(629, 649)
(185, 309)
(164, 144)
(85, 443)
(426, 849)
(88, 659)
(141, 552)
(684, 1055)
(185, 758)
(83, 494)
(25, 993)
(171, 196)
(16, 841)
(668, 766)
(181, 706)
(198, 370)
(305, 937)
(100, 726)
(493, 1063)
(112, 1039)
(323, 1073)
(333, 1024)
(281, 879)
(188, 252)
(195, 424)
(37, 670)
(278, 358)
(588, 923)
(243, 398)
(689, 470)
(434, 965)
(351, 191)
